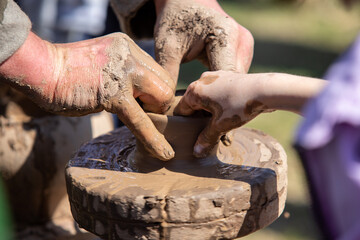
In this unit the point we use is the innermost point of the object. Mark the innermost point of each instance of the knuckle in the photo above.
(121, 35)
(213, 73)
(206, 74)
(192, 88)
(168, 95)
(247, 37)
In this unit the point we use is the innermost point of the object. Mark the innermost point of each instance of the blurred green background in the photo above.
(298, 37)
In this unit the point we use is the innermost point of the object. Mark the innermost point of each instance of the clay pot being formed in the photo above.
(181, 133)
(118, 191)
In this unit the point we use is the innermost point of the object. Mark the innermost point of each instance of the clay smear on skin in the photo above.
(113, 73)
(179, 29)
(253, 107)
(208, 79)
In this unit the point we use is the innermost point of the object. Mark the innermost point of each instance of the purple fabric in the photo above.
(328, 141)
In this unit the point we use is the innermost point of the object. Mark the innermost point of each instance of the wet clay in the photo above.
(208, 79)
(119, 191)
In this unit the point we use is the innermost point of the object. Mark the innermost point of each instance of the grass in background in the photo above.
(299, 39)
(324, 24)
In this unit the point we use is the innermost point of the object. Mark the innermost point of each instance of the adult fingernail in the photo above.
(169, 154)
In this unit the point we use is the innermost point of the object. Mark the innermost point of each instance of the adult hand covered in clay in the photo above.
(200, 29)
(106, 73)
(234, 99)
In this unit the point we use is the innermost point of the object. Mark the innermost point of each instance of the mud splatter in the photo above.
(208, 79)
(253, 107)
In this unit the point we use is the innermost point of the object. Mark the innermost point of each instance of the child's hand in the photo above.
(232, 98)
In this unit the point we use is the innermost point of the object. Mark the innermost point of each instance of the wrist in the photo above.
(30, 67)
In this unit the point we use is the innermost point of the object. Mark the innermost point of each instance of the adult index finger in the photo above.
(155, 94)
(139, 123)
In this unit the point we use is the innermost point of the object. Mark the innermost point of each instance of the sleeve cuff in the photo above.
(14, 28)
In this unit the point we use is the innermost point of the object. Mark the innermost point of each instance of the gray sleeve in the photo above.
(137, 17)
(14, 28)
